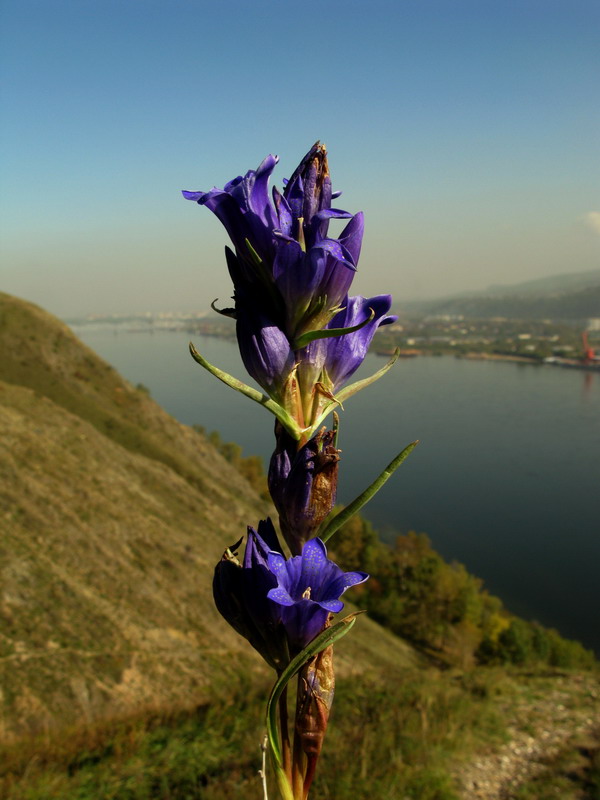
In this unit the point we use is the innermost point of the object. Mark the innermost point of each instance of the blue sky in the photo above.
(467, 132)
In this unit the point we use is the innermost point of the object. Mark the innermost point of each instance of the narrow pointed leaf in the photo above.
(285, 790)
(226, 312)
(253, 254)
(331, 525)
(344, 394)
(319, 643)
(327, 333)
(282, 415)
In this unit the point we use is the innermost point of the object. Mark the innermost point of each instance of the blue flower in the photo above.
(291, 282)
(308, 590)
(282, 247)
(240, 594)
(244, 208)
(341, 356)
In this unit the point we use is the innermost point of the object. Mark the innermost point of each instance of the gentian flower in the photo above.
(339, 357)
(282, 247)
(300, 335)
(244, 208)
(303, 484)
(240, 594)
(308, 590)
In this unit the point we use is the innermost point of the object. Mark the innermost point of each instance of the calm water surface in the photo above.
(506, 478)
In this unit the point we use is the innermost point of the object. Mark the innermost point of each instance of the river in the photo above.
(506, 478)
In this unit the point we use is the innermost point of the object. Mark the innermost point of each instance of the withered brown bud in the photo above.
(303, 484)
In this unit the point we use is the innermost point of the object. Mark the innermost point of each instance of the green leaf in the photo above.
(226, 312)
(332, 524)
(344, 394)
(327, 333)
(253, 254)
(288, 422)
(319, 643)
(285, 790)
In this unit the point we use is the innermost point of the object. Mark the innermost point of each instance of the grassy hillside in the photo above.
(112, 516)
(118, 679)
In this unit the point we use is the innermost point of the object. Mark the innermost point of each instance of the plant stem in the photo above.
(263, 772)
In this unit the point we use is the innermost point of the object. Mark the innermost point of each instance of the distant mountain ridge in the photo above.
(573, 296)
(570, 282)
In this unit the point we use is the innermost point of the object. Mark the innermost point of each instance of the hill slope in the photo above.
(560, 297)
(112, 516)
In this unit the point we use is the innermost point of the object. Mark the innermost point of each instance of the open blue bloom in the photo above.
(308, 590)
(240, 594)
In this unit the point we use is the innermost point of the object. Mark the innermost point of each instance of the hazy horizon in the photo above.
(594, 276)
(466, 132)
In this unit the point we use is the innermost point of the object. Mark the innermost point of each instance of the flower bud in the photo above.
(303, 484)
(240, 593)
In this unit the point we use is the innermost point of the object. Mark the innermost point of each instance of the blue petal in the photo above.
(332, 213)
(294, 572)
(331, 605)
(277, 565)
(346, 353)
(264, 348)
(334, 248)
(294, 195)
(289, 272)
(259, 544)
(259, 190)
(303, 621)
(280, 596)
(345, 581)
(284, 212)
(266, 531)
(353, 578)
(192, 195)
(314, 562)
(352, 235)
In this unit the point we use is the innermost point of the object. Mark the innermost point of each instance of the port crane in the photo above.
(589, 356)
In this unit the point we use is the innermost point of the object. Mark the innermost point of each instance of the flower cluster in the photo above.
(301, 337)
